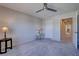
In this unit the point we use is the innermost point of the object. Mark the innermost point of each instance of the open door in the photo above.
(66, 30)
(78, 31)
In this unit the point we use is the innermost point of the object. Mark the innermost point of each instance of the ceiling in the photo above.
(30, 8)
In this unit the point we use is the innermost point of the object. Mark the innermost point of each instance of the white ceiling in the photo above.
(30, 8)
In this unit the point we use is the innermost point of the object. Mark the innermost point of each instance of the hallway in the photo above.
(44, 47)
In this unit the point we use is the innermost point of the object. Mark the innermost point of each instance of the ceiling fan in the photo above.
(46, 7)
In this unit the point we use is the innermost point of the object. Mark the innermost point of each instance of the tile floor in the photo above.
(43, 48)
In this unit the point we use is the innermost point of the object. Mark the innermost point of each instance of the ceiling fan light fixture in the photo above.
(46, 8)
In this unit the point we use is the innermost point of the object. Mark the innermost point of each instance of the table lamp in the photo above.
(4, 29)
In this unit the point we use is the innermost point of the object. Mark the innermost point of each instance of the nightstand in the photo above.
(6, 44)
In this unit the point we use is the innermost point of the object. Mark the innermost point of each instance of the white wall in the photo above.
(22, 27)
(52, 26)
(48, 28)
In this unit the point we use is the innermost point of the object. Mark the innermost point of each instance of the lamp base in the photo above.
(4, 35)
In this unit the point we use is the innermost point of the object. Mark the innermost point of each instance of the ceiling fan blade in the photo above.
(39, 10)
(51, 9)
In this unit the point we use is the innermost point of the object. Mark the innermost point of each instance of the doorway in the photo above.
(66, 30)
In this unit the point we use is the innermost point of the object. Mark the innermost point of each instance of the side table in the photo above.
(6, 44)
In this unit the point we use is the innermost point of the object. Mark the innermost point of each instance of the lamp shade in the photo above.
(4, 29)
